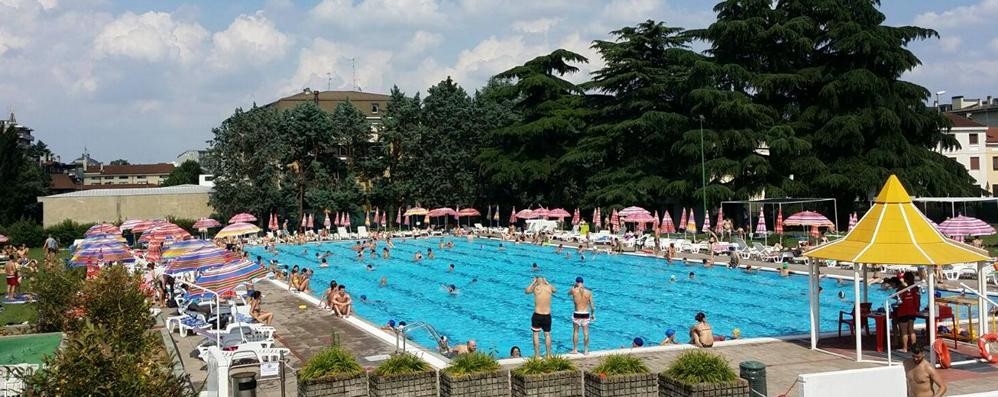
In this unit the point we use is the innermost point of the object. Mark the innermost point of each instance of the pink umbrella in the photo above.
(779, 222)
(272, 223)
(667, 225)
(444, 211)
(206, 223)
(633, 211)
(384, 218)
(639, 218)
(469, 212)
(3, 239)
(577, 217)
(597, 218)
(346, 221)
(242, 218)
(541, 213)
(852, 221)
(405, 221)
(965, 226)
(761, 226)
(311, 221)
(654, 222)
(808, 218)
(398, 217)
(719, 226)
(559, 213)
(614, 221)
(706, 222)
(682, 220)
(326, 222)
(525, 214)
(304, 220)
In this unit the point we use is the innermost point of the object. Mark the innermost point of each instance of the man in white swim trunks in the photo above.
(584, 313)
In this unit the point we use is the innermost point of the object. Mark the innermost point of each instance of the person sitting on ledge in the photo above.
(469, 347)
(701, 334)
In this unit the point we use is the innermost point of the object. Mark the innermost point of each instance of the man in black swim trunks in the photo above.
(541, 320)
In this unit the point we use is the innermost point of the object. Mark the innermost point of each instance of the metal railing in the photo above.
(400, 336)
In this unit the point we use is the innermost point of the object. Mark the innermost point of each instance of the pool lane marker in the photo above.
(435, 361)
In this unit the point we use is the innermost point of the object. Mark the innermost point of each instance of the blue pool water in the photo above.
(633, 295)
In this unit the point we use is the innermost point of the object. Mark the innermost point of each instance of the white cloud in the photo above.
(541, 25)
(491, 56)
(575, 43)
(950, 44)
(422, 41)
(152, 37)
(250, 38)
(9, 41)
(963, 16)
(994, 44)
(631, 11)
(48, 4)
(379, 12)
(327, 62)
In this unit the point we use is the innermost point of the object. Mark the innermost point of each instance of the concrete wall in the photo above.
(119, 208)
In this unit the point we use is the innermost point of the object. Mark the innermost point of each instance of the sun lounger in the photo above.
(341, 233)
(954, 272)
(362, 232)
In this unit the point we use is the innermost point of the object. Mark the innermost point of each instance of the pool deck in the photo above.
(307, 331)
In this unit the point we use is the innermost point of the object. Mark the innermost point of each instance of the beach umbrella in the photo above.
(327, 223)
(102, 228)
(808, 218)
(398, 217)
(706, 221)
(654, 222)
(469, 212)
(311, 221)
(559, 213)
(405, 220)
(275, 225)
(443, 211)
(495, 215)
(719, 226)
(231, 275)
(682, 220)
(426, 219)
(206, 223)
(237, 229)
(182, 247)
(614, 221)
(3, 239)
(541, 213)
(667, 225)
(779, 222)
(577, 217)
(512, 216)
(384, 218)
(691, 223)
(242, 218)
(852, 221)
(304, 220)
(129, 224)
(416, 211)
(143, 226)
(965, 226)
(346, 220)
(629, 211)
(110, 253)
(525, 214)
(199, 259)
(163, 232)
(638, 218)
(761, 226)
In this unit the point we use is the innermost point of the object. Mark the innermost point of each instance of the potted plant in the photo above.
(553, 376)
(403, 374)
(621, 375)
(332, 372)
(474, 374)
(701, 373)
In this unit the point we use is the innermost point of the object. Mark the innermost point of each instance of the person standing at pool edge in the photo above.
(585, 312)
(541, 320)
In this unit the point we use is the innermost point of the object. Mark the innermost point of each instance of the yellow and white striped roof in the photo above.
(894, 231)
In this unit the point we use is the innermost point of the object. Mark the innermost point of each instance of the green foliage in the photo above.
(700, 366)
(119, 162)
(25, 232)
(114, 302)
(186, 224)
(332, 361)
(186, 174)
(22, 180)
(56, 289)
(67, 231)
(402, 364)
(620, 364)
(91, 363)
(538, 366)
(472, 363)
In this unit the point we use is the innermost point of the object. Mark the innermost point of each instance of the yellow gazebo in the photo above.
(893, 231)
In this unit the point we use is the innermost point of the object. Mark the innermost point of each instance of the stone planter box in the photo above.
(637, 385)
(339, 386)
(671, 387)
(487, 384)
(422, 384)
(555, 384)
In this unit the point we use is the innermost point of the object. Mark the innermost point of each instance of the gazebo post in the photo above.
(932, 314)
(982, 304)
(857, 315)
(815, 300)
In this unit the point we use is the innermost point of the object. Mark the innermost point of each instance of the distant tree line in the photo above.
(791, 98)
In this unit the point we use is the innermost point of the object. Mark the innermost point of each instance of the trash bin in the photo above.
(755, 373)
(243, 384)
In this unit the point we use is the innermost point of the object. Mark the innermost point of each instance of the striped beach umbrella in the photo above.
(182, 247)
(199, 259)
(706, 221)
(231, 275)
(667, 225)
(779, 222)
(655, 223)
(719, 226)
(691, 222)
(143, 226)
(237, 229)
(129, 224)
(110, 253)
(206, 223)
(311, 221)
(577, 217)
(384, 218)
(761, 226)
(512, 216)
(3, 239)
(614, 221)
(597, 218)
(633, 210)
(242, 218)
(398, 216)
(852, 221)
(808, 218)
(327, 223)
(965, 226)
(102, 228)
(164, 231)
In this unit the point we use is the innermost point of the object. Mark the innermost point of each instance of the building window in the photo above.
(375, 108)
(975, 163)
(973, 139)
(994, 163)
(994, 188)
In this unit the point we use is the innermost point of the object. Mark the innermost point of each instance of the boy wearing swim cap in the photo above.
(584, 313)
(670, 337)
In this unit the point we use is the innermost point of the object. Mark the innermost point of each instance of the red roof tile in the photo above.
(133, 169)
(992, 135)
(120, 186)
(62, 182)
(960, 121)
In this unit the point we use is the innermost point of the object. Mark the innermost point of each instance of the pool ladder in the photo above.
(400, 337)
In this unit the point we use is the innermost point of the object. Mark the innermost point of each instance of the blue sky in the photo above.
(145, 80)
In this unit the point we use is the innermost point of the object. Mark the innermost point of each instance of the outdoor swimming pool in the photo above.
(633, 295)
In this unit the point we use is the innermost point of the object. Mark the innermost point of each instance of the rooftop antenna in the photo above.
(329, 81)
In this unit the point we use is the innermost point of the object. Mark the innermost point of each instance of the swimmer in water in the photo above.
(418, 257)
(534, 267)
(323, 263)
(429, 253)
(842, 295)
(383, 282)
(501, 248)
(384, 253)
(558, 250)
(370, 268)
(672, 278)
(450, 268)
(451, 289)
(692, 275)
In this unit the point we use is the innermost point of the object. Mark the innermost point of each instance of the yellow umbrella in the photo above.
(237, 229)
(894, 231)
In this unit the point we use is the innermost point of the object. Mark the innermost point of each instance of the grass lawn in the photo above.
(17, 314)
(38, 254)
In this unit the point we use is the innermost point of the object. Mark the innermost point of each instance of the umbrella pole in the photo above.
(857, 315)
(932, 315)
(982, 304)
(815, 302)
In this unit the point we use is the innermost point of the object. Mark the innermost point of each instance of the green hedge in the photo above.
(67, 231)
(24, 232)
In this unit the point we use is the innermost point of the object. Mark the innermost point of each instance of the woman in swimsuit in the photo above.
(701, 334)
(257, 313)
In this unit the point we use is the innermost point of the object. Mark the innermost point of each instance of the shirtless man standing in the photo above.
(585, 312)
(12, 280)
(541, 320)
(701, 334)
(921, 375)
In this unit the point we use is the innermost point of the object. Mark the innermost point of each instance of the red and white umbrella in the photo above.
(779, 222)
(346, 219)
(597, 218)
(398, 217)
(242, 218)
(3, 239)
(272, 225)
(102, 228)
(629, 211)
(639, 218)
(814, 231)
(667, 225)
(614, 221)
(540, 213)
(384, 218)
(443, 211)
(965, 226)
(706, 221)
(577, 217)
(327, 223)
(525, 214)
(469, 212)
(304, 220)
(852, 221)
(682, 220)
(808, 218)
(558, 213)
(206, 223)
(311, 221)
(761, 226)
(719, 226)
(654, 222)
(129, 224)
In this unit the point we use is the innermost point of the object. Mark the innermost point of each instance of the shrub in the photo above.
(67, 231)
(56, 289)
(91, 364)
(537, 366)
(402, 364)
(621, 364)
(329, 362)
(25, 232)
(699, 366)
(114, 302)
(472, 363)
